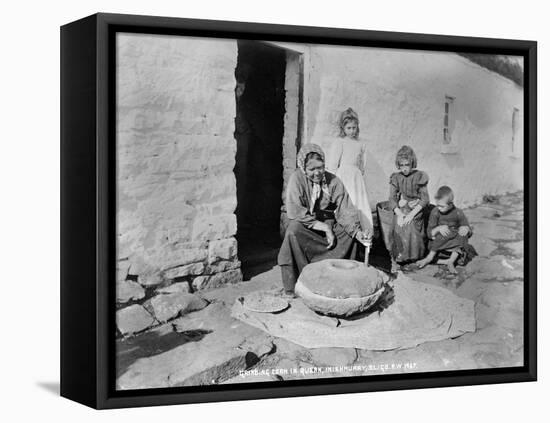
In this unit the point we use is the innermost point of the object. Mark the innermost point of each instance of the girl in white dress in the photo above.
(347, 159)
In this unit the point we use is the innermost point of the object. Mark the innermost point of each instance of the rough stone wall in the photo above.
(292, 97)
(176, 192)
(399, 96)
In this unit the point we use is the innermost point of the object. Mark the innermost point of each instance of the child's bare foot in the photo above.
(426, 260)
(422, 263)
(450, 266)
(451, 263)
(452, 269)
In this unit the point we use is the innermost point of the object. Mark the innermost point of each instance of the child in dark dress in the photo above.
(407, 202)
(448, 231)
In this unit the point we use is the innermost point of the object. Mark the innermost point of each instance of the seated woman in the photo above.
(324, 223)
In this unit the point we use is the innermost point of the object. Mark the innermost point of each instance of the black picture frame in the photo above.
(88, 210)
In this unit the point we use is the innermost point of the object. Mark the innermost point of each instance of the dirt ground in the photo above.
(210, 347)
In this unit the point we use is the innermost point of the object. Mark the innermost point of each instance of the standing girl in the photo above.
(347, 161)
(408, 200)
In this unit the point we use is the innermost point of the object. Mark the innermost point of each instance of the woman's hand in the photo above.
(330, 238)
(322, 226)
(443, 230)
(364, 237)
(408, 218)
(464, 230)
(417, 208)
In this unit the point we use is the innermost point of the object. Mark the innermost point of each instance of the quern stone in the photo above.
(340, 287)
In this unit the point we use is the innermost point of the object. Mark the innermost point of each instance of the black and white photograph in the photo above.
(266, 212)
(291, 211)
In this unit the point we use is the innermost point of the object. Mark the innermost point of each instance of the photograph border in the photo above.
(88, 209)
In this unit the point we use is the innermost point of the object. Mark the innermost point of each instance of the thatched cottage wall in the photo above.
(400, 98)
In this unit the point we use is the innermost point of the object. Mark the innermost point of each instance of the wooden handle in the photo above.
(367, 252)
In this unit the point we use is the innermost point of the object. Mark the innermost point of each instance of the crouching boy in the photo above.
(448, 231)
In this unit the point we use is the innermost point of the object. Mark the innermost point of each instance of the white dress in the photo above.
(346, 159)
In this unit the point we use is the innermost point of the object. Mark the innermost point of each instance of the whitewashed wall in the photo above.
(399, 96)
(176, 190)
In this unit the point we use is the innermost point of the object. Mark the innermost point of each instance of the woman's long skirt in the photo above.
(405, 243)
(302, 246)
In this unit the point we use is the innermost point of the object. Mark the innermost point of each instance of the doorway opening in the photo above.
(260, 128)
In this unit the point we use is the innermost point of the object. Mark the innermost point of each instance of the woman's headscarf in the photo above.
(301, 159)
(304, 151)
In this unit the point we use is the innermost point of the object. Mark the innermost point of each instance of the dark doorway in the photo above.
(259, 130)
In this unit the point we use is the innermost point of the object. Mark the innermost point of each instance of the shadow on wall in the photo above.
(376, 179)
(453, 161)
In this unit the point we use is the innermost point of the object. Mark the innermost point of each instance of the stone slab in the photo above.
(133, 319)
(333, 356)
(517, 248)
(496, 230)
(174, 288)
(217, 280)
(496, 268)
(181, 271)
(128, 290)
(482, 213)
(483, 246)
(168, 306)
(223, 249)
(224, 348)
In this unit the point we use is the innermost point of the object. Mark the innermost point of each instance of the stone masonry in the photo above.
(176, 192)
(175, 151)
